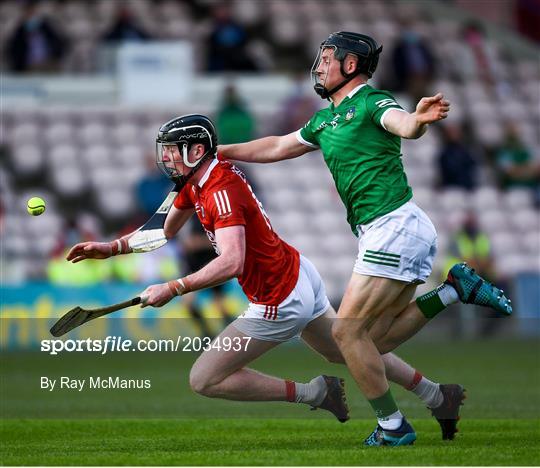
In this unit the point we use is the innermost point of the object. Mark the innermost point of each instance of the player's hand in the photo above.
(86, 250)
(156, 295)
(431, 109)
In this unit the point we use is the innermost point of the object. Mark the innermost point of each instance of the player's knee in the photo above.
(345, 331)
(200, 383)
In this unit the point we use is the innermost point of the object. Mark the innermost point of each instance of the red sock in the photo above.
(290, 388)
(415, 381)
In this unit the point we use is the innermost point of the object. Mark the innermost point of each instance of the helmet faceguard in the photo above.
(363, 47)
(181, 133)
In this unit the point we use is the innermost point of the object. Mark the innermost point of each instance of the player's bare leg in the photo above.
(318, 336)
(402, 327)
(366, 300)
(444, 400)
(221, 374)
(399, 322)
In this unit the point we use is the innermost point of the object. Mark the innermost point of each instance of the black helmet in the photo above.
(364, 47)
(184, 132)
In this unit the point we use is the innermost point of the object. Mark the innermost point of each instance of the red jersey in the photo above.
(224, 198)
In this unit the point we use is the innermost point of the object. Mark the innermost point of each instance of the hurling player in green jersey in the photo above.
(359, 135)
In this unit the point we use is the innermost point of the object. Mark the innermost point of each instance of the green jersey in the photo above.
(364, 159)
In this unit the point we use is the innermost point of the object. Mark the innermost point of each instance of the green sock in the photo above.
(430, 304)
(384, 406)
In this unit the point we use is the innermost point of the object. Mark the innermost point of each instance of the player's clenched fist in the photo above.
(431, 109)
(156, 295)
(86, 250)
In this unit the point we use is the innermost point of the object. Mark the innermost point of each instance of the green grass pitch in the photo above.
(169, 425)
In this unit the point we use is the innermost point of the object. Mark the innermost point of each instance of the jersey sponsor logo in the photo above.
(240, 174)
(386, 102)
(334, 121)
(222, 203)
(350, 113)
(212, 238)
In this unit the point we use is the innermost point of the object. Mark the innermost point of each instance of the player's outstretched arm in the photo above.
(99, 250)
(428, 110)
(231, 242)
(85, 250)
(265, 150)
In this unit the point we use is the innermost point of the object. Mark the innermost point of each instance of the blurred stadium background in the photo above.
(86, 85)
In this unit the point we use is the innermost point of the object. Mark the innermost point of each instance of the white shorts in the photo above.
(399, 245)
(306, 302)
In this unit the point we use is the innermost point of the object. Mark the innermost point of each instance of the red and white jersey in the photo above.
(223, 198)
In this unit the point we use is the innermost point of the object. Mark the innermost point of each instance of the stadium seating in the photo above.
(100, 152)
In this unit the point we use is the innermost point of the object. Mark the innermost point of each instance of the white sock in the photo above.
(447, 294)
(312, 393)
(391, 422)
(429, 392)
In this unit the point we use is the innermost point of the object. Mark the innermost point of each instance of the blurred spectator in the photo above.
(227, 43)
(413, 64)
(236, 124)
(298, 107)
(474, 57)
(125, 28)
(514, 163)
(151, 189)
(234, 121)
(85, 228)
(198, 252)
(35, 45)
(458, 164)
(470, 244)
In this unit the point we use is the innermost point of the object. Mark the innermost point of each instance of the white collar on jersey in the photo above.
(204, 178)
(355, 90)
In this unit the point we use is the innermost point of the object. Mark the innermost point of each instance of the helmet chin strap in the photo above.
(327, 93)
(193, 165)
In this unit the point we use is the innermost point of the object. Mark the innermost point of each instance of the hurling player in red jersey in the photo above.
(286, 295)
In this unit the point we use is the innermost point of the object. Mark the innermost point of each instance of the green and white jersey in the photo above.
(364, 158)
